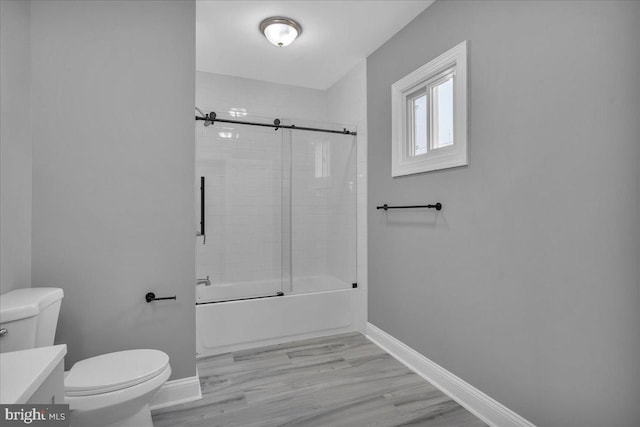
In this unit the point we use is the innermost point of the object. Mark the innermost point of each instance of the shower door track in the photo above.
(279, 294)
(211, 118)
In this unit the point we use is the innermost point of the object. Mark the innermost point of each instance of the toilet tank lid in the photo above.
(27, 302)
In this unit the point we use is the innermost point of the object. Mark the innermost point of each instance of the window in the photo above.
(429, 115)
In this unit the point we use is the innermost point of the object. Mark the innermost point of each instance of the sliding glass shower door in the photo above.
(279, 209)
(241, 254)
(323, 209)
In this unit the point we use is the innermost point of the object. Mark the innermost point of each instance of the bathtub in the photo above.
(222, 327)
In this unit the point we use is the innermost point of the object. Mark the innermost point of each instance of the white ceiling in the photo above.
(336, 35)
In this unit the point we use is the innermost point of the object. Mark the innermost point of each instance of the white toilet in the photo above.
(110, 390)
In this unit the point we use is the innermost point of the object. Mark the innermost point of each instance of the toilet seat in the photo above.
(114, 371)
(116, 408)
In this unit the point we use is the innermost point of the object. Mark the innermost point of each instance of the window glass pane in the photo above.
(443, 114)
(420, 125)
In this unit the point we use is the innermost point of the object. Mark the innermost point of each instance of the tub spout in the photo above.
(206, 281)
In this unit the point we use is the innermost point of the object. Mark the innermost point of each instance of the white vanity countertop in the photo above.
(22, 372)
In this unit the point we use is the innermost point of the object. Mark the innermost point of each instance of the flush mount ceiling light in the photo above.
(280, 31)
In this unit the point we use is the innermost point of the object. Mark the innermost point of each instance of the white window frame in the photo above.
(403, 161)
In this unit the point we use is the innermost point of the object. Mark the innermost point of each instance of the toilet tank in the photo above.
(28, 318)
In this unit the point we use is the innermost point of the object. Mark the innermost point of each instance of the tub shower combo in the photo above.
(276, 215)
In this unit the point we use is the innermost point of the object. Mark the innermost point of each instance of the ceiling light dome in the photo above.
(280, 31)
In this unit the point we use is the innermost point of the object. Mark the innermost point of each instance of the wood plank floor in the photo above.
(342, 380)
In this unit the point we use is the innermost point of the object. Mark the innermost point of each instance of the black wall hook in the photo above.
(150, 296)
(276, 123)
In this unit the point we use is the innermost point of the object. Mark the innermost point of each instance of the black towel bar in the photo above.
(437, 206)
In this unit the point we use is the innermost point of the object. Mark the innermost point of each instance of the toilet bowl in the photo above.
(114, 389)
(110, 390)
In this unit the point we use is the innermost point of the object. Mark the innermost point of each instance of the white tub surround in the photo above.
(347, 103)
(285, 213)
(238, 325)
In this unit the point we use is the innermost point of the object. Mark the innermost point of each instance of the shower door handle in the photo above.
(202, 212)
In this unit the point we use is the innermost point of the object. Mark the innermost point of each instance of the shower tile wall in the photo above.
(260, 98)
(309, 209)
(243, 231)
(323, 211)
(244, 226)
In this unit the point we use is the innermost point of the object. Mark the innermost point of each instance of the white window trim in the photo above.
(447, 157)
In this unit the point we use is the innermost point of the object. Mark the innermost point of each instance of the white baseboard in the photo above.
(475, 401)
(175, 392)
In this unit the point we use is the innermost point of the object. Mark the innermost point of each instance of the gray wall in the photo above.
(15, 146)
(113, 159)
(526, 285)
